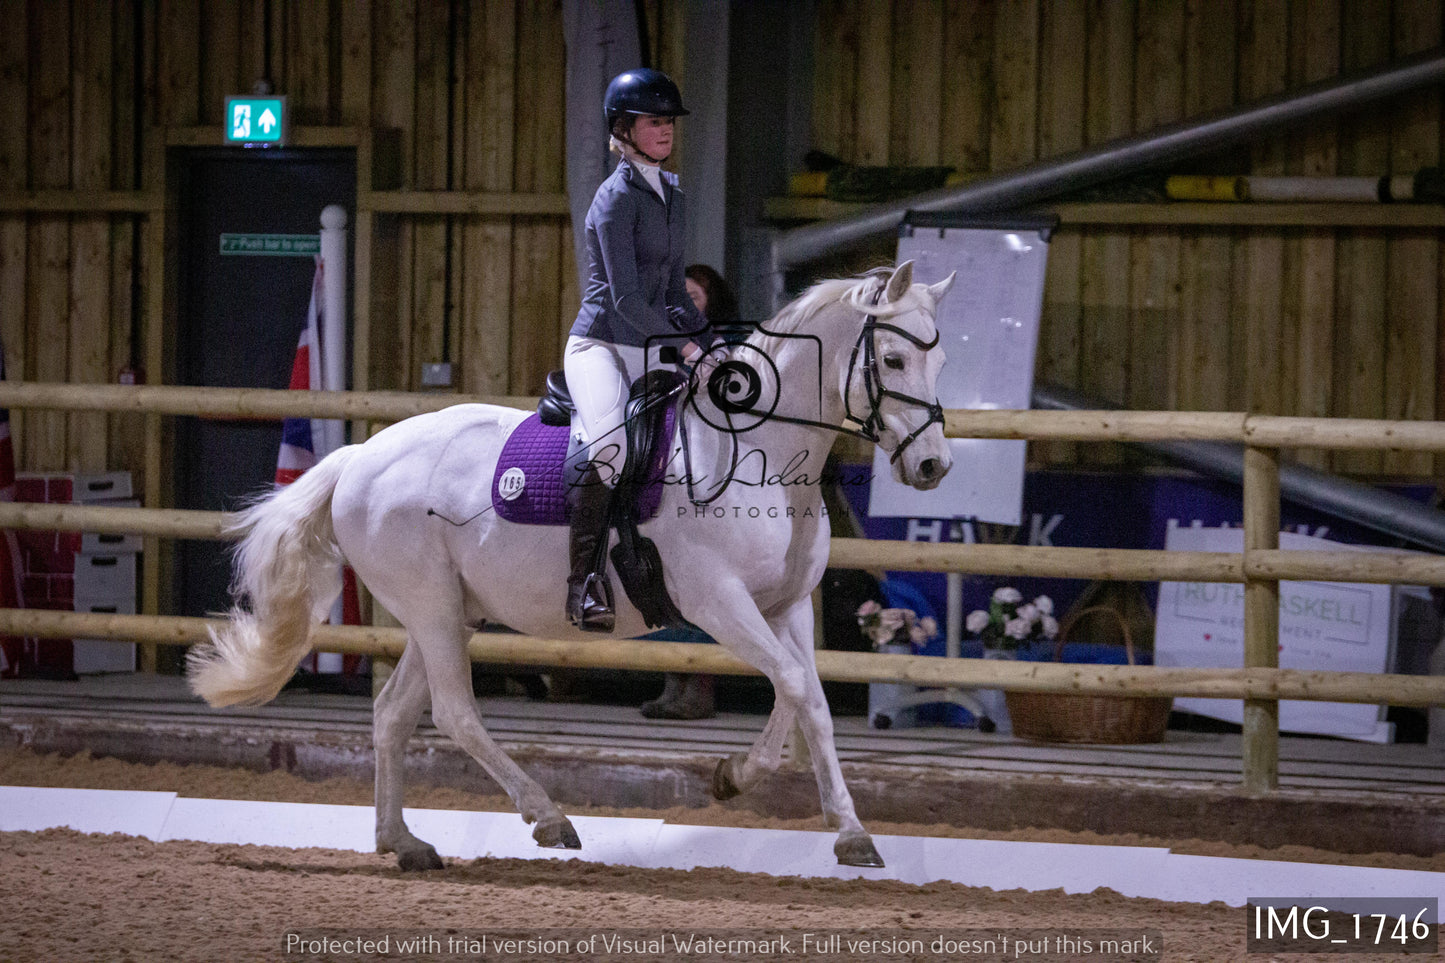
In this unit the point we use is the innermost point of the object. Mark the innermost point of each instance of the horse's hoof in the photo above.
(723, 784)
(556, 834)
(421, 858)
(857, 849)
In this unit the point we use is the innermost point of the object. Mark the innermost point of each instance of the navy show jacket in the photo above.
(635, 283)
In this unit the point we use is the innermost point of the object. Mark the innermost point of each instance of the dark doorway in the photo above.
(239, 319)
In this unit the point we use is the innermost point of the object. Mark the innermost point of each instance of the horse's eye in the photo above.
(894, 361)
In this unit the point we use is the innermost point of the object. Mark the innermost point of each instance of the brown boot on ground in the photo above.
(684, 696)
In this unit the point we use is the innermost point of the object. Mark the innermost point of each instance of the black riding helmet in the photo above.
(641, 91)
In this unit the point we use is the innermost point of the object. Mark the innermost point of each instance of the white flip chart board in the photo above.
(988, 327)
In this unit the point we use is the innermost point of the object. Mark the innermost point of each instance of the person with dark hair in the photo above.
(713, 296)
(635, 294)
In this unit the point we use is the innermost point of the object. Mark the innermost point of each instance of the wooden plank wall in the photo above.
(1292, 321)
(1308, 321)
(472, 88)
(67, 109)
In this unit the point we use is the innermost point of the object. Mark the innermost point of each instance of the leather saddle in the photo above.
(555, 407)
(652, 415)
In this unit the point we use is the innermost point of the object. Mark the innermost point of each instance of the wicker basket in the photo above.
(1062, 717)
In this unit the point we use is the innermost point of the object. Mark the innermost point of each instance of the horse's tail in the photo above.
(288, 567)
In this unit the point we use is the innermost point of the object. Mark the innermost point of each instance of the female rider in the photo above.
(634, 297)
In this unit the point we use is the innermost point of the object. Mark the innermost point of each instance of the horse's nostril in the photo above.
(928, 468)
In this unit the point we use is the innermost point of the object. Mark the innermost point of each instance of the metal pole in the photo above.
(1351, 500)
(332, 434)
(1071, 172)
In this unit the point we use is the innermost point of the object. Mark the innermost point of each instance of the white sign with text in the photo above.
(1329, 626)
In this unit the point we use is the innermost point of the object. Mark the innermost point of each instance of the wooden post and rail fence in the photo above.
(1260, 683)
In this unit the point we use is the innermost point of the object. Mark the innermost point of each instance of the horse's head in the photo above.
(890, 384)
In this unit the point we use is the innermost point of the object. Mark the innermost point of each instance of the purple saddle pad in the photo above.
(537, 452)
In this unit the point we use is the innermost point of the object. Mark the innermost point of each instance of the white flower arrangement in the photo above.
(895, 626)
(1009, 621)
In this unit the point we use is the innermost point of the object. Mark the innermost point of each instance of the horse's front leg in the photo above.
(742, 771)
(786, 658)
(854, 846)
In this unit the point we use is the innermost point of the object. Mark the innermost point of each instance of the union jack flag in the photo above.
(304, 442)
(298, 439)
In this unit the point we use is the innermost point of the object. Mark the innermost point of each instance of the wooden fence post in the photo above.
(1261, 618)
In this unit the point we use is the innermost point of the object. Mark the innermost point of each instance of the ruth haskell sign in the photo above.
(1330, 626)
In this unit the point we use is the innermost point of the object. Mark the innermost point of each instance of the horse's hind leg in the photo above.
(742, 771)
(395, 717)
(455, 712)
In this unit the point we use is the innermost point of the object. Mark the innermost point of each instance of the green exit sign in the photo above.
(256, 121)
(271, 245)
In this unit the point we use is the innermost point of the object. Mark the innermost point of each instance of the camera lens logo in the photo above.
(735, 387)
(739, 396)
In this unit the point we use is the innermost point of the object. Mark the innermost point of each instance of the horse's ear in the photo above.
(899, 283)
(941, 288)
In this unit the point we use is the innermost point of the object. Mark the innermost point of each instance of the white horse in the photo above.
(742, 569)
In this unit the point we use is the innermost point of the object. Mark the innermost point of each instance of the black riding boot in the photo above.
(589, 593)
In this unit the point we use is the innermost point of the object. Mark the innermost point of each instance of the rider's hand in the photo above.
(703, 362)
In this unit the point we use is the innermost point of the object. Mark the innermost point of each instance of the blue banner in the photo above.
(1101, 510)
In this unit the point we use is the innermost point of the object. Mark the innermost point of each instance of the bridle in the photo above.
(870, 427)
(876, 390)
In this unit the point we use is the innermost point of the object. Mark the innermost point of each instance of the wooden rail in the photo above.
(485, 203)
(1266, 431)
(1260, 567)
(1114, 564)
(93, 203)
(259, 403)
(1171, 213)
(646, 655)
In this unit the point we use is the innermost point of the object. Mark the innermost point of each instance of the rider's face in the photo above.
(653, 136)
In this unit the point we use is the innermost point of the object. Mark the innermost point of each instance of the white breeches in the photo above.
(599, 376)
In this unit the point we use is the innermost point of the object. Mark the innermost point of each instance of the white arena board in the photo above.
(1329, 626)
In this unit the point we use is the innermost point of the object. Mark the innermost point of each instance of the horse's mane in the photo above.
(857, 292)
(797, 315)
